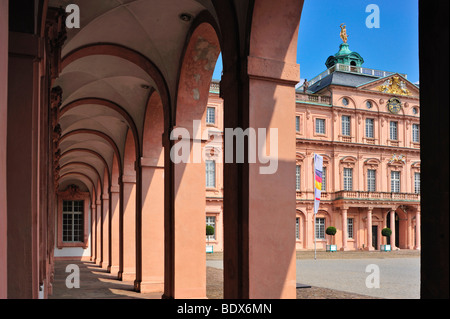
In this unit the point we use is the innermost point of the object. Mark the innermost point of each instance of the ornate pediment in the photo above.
(372, 163)
(394, 84)
(73, 192)
(348, 161)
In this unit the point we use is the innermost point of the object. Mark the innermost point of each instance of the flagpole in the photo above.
(315, 236)
(314, 213)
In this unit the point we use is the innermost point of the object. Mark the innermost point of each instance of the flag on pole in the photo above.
(318, 164)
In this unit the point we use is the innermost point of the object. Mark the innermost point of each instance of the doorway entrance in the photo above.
(375, 237)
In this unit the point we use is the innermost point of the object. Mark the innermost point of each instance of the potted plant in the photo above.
(331, 231)
(209, 232)
(386, 232)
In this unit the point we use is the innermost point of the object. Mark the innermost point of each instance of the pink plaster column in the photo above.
(260, 208)
(22, 182)
(3, 130)
(93, 213)
(128, 273)
(152, 226)
(105, 232)
(114, 218)
(410, 239)
(392, 227)
(369, 229)
(344, 229)
(418, 246)
(98, 233)
(309, 227)
(190, 203)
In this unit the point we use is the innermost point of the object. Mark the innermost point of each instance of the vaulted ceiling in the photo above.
(105, 94)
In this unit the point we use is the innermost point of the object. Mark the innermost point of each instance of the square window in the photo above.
(320, 126)
(210, 173)
(346, 125)
(211, 115)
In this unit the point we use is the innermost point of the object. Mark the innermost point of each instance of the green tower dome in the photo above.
(344, 56)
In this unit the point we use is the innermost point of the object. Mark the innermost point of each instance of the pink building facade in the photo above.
(365, 124)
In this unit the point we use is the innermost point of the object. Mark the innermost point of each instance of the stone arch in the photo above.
(152, 196)
(88, 151)
(202, 48)
(97, 173)
(111, 105)
(97, 133)
(94, 187)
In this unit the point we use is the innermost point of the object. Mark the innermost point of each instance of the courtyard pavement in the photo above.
(347, 272)
(339, 275)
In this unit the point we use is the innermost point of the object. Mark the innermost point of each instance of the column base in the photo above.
(149, 286)
(114, 270)
(344, 249)
(369, 248)
(128, 276)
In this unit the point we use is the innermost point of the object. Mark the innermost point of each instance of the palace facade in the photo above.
(365, 124)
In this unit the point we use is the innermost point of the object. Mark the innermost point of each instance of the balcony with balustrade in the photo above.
(350, 69)
(376, 196)
(363, 196)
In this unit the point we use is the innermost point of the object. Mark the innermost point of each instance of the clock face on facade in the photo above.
(394, 105)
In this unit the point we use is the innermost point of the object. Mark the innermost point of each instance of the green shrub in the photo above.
(331, 231)
(209, 230)
(386, 232)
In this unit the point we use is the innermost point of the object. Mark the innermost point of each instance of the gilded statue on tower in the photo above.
(343, 33)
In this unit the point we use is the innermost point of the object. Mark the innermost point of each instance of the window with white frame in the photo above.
(211, 221)
(73, 223)
(393, 130)
(320, 126)
(415, 133)
(369, 128)
(210, 173)
(348, 178)
(211, 115)
(395, 181)
(297, 123)
(320, 228)
(297, 177)
(324, 179)
(346, 125)
(350, 227)
(371, 180)
(417, 183)
(297, 228)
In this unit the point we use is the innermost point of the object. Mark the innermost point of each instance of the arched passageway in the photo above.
(118, 91)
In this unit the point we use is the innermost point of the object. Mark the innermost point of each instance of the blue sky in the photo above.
(391, 47)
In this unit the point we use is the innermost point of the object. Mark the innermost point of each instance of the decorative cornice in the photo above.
(355, 145)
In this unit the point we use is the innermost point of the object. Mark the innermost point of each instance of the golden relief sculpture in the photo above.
(397, 159)
(394, 85)
(343, 33)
